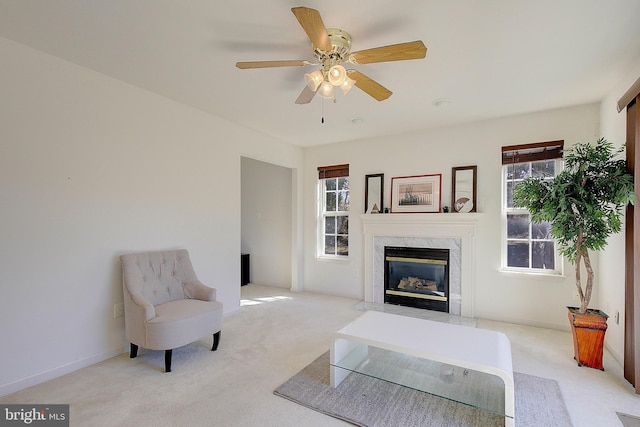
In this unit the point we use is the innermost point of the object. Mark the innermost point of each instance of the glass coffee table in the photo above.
(464, 364)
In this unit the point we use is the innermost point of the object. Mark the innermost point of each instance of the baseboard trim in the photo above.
(564, 326)
(616, 356)
(41, 377)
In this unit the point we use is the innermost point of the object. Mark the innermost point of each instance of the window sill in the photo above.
(325, 258)
(529, 273)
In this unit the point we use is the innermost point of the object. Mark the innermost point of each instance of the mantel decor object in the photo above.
(463, 188)
(373, 190)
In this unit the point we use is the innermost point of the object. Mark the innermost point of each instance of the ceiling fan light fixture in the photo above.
(326, 90)
(313, 80)
(337, 75)
(347, 85)
(331, 47)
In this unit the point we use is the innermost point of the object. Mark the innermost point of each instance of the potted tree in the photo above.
(584, 204)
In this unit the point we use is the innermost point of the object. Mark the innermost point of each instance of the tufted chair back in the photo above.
(159, 276)
(165, 305)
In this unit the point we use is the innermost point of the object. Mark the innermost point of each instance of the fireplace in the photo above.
(454, 232)
(417, 277)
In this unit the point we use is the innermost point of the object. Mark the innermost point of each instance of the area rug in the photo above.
(628, 420)
(366, 401)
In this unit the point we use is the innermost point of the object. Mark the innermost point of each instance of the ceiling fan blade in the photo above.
(271, 64)
(305, 96)
(371, 87)
(394, 52)
(311, 22)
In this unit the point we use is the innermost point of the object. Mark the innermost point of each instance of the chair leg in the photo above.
(167, 360)
(134, 351)
(216, 341)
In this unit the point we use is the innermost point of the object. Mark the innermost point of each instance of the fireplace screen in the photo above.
(417, 277)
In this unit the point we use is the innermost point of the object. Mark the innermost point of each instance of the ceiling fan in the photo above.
(331, 48)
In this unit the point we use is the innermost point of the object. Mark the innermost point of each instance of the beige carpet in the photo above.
(274, 335)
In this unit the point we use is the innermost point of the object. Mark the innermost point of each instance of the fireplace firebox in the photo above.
(417, 277)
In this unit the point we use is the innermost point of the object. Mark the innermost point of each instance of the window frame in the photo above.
(528, 154)
(331, 173)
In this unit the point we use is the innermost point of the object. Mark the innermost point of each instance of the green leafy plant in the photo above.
(584, 204)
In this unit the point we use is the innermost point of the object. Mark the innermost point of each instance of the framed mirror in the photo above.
(463, 189)
(373, 192)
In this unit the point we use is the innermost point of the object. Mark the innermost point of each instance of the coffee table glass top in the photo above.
(474, 388)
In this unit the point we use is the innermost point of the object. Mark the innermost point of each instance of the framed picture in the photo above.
(414, 194)
(463, 188)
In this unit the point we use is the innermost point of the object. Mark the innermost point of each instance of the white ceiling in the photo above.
(491, 58)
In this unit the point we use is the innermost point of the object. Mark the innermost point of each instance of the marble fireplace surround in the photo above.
(453, 231)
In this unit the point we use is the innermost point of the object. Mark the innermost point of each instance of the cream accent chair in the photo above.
(165, 305)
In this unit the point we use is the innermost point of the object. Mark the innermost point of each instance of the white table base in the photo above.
(478, 349)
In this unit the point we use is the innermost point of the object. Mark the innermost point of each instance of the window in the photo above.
(528, 246)
(334, 210)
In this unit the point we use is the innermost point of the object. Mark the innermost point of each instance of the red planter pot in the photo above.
(588, 336)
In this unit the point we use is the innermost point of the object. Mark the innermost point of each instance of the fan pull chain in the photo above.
(322, 111)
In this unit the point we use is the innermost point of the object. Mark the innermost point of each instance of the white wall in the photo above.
(91, 168)
(266, 221)
(539, 301)
(611, 268)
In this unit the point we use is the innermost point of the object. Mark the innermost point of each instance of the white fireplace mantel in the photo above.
(450, 230)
